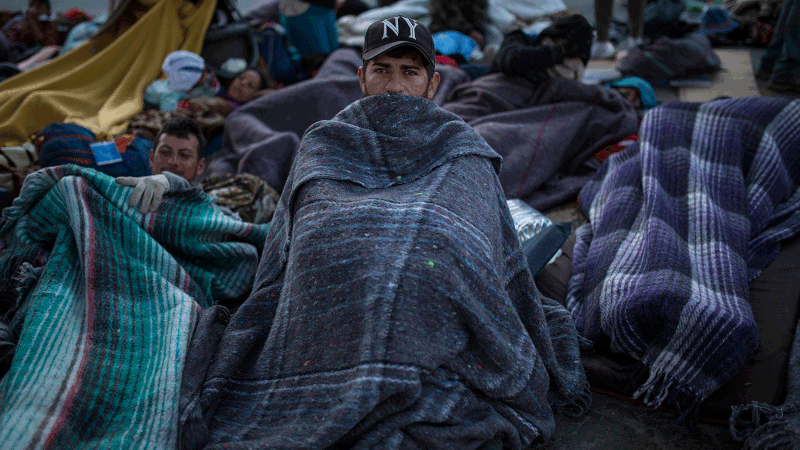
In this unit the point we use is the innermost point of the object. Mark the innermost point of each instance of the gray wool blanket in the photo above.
(262, 137)
(392, 308)
(679, 223)
(547, 134)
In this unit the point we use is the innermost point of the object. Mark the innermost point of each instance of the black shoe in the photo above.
(763, 75)
(785, 86)
(8, 70)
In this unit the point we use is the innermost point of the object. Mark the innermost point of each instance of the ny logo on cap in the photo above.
(387, 25)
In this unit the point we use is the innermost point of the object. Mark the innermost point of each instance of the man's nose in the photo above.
(394, 85)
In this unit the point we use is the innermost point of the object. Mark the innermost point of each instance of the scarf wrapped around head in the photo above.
(183, 69)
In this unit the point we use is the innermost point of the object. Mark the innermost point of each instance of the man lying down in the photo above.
(392, 306)
(98, 302)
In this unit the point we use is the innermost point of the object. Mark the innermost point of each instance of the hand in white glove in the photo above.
(148, 189)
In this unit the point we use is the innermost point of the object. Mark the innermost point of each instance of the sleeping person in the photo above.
(207, 107)
(393, 307)
(637, 91)
(186, 76)
(244, 87)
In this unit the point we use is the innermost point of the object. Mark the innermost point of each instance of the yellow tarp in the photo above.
(102, 89)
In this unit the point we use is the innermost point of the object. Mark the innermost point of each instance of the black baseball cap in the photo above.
(387, 34)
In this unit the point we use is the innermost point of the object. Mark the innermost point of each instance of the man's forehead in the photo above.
(172, 141)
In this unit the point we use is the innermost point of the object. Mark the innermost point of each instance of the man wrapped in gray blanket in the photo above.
(393, 307)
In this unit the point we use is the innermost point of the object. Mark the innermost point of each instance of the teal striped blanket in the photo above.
(101, 302)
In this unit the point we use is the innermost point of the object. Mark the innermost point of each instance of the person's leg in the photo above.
(636, 18)
(603, 11)
(787, 65)
(602, 48)
(773, 50)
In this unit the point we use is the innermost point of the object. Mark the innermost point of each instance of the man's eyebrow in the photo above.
(406, 66)
(381, 64)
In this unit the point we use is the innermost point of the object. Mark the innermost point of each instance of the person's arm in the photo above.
(38, 58)
(32, 26)
(518, 55)
(51, 36)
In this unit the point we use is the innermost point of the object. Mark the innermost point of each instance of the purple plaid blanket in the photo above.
(679, 223)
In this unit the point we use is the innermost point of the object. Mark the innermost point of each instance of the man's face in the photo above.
(245, 87)
(177, 155)
(387, 75)
(631, 94)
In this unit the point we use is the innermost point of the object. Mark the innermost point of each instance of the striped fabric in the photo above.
(393, 307)
(680, 221)
(102, 335)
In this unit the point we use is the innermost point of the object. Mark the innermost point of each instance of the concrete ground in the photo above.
(616, 424)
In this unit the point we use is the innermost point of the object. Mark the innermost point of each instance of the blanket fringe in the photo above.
(23, 281)
(26, 278)
(764, 426)
(659, 390)
(578, 406)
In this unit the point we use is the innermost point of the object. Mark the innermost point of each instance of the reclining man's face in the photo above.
(177, 155)
(631, 94)
(407, 75)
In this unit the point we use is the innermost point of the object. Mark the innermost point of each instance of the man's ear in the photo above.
(361, 81)
(201, 167)
(433, 85)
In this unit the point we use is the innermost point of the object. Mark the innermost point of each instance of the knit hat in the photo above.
(717, 20)
(646, 93)
(387, 34)
(183, 69)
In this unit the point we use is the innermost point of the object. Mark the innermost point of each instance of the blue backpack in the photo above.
(277, 55)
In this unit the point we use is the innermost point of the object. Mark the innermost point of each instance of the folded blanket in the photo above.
(99, 84)
(547, 134)
(102, 302)
(393, 307)
(679, 223)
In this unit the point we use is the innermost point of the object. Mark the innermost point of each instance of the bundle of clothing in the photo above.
(393, 307)
(99, 303)
(680, 222)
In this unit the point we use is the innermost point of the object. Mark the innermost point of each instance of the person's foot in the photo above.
(784, 86)
(634, 42)
(603, 50)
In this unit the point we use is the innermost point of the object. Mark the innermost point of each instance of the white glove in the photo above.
(148, 189)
